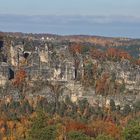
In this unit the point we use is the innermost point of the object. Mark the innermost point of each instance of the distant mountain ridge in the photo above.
(97, 40)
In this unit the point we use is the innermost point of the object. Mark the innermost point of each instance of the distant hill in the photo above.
(128, 44)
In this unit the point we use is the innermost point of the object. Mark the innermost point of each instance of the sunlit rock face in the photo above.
(43, 56)
(3, 80)
(16, 55)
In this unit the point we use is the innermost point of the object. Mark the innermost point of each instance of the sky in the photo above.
(108, 13)
(71, 7)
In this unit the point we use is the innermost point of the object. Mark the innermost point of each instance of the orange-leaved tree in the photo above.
(19, 77)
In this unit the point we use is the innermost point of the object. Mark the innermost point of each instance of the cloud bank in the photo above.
(68, 25)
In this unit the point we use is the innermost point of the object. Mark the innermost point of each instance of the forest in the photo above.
(36, 107)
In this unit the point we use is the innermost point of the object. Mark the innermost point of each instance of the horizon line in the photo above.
(45, 33)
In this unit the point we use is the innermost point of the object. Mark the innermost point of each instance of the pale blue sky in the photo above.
(71, 7)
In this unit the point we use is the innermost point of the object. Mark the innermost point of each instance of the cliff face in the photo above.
(71, 58)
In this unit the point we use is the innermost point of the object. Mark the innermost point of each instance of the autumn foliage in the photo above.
(19, 77)
(102, 83)
(96, 54)
(107, 127)
(77, 126)
(75, 48)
